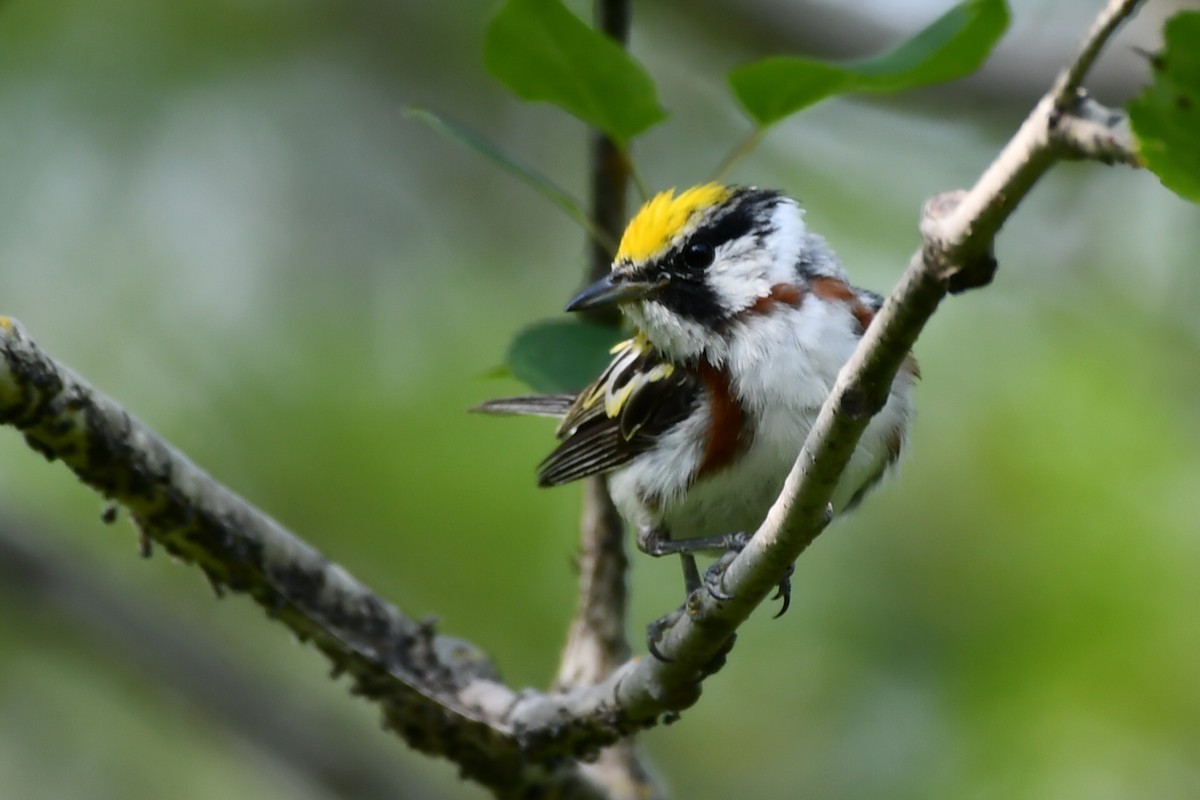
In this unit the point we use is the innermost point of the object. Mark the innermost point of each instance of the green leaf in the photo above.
(956, 44)
(562, 354)
(1166, 117)
(774, 88)
(543, 52)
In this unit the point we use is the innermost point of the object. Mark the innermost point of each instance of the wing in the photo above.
(637, 397)
(533, 405)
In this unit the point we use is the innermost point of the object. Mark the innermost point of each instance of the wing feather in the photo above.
(534, 405)
(637, 397)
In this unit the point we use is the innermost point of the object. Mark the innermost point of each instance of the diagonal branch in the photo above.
(439, 694)
(958, 231)
(38, 576)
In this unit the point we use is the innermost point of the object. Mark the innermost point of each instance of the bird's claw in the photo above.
(737, 542)
(784, 592)
(655, 631)
(714, 574)
(734, 544)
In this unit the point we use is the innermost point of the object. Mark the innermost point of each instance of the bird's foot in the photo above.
(656, 629)
(735, 543)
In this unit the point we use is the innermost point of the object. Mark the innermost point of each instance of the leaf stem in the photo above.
(740, 151)
(542, 184)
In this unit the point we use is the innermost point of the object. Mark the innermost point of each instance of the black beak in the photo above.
(613, 289)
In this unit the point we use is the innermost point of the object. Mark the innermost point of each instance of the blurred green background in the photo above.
(217, 212)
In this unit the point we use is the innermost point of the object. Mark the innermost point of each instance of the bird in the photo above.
(742, 318)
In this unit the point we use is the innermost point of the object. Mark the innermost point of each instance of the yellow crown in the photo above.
(664, 216)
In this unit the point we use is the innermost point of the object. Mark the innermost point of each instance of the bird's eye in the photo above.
(698, 254)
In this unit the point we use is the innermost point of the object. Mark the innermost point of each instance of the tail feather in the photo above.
(534, 405)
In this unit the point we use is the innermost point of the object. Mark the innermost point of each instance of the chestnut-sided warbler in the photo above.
(743, 319)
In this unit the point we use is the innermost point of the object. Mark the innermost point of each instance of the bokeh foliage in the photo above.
(217, 213)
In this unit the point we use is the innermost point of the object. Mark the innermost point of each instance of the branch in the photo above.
(958, 231)
(317, 747)
(596, 642)
(439, 694)
(1095, 132)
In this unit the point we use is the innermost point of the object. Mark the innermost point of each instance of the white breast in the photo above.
(782, 366)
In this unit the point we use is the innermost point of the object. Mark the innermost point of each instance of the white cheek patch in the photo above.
(745, 269)
(784, 241)
(739, 275)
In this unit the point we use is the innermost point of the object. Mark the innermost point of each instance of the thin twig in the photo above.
(609, 163)
(596, 642)
(1106, 24)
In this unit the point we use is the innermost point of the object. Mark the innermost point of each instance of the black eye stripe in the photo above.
(733, 225)
(749, 210)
